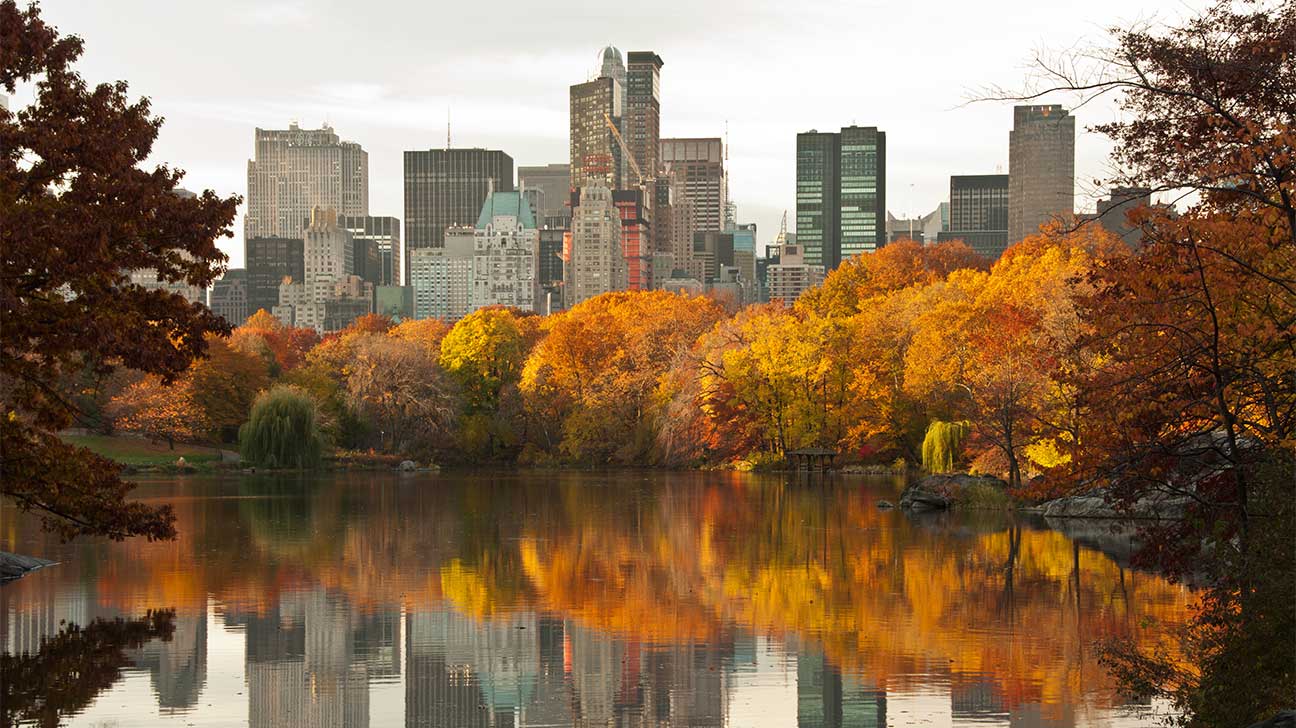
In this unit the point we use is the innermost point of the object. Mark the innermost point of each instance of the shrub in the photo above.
(282, 431)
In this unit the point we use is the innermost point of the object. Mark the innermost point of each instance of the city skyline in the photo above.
(397, 100)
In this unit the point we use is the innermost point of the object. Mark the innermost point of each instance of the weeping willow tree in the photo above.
(282, 431)
(942, 445)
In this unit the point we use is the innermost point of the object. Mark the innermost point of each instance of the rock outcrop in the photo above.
(13, 566)
(938, 492)
(1094, 504)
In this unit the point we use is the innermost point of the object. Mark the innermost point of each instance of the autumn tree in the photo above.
(79, 213)
(158, 410)
(891, 268)
(224, 385)
(484, 354)
(1194, 340)
(395, 384)
(597, 371)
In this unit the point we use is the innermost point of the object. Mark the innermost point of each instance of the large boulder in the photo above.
(938, 492)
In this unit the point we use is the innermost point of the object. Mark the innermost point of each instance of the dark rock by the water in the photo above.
(938, 492)
(885, 505)
(1284, 719)
(13, 566)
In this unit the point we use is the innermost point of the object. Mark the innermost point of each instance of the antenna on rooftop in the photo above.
(447, 128)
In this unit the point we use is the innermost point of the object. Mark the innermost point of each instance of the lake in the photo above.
(561, 598)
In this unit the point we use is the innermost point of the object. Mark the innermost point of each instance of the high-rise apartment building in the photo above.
(642, 124)
(269, 261)
(441, 276)
(595, 264)
(595, 152)
(229, 297)
(384, 233)
(1041, 168)
(841, 194)
(506, 242)
(698, 168)
(979, 213)
(551, 262)
(550, 185)
(445, 187)
(296, 169)
(792, 275)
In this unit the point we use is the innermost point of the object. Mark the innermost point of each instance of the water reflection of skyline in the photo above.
(325, 627)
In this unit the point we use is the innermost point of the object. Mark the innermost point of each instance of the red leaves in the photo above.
(78, 214)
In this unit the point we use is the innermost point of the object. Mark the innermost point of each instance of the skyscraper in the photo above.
(1041, 168)
(636, 242)
(504, 254)
(445, 187)
(841, 193)
(698, 168)
(553, 182)
(642, 122)
(979, 213)
(817, 186)
(296, 169)
(863, 191)
(384, 232)
(595, 153)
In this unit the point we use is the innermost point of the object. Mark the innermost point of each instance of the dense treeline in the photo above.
(888, 344)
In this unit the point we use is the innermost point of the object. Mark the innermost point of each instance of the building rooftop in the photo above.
(512, 204)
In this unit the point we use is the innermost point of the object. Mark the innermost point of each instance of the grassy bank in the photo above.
(140, 453)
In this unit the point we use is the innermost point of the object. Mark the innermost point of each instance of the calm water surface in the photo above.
(578, 599)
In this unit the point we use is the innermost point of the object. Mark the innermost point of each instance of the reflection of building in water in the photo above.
(687, 685)
(977, 699)
(178, 667)
(376, 642)
(551, 705)
(462, 672)
(29, 615)
(301, 665)
(826, 699)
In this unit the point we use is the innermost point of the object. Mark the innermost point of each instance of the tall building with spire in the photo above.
(296, 169)
(1041, 168)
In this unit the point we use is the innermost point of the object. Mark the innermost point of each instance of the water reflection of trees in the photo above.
(1002, 612)
(72, 667)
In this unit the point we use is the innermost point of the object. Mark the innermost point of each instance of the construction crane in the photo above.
(781, 240)
(625, 149)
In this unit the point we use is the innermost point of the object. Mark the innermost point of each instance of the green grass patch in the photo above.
(138, 451)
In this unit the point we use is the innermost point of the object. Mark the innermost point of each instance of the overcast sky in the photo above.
(383, 74)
